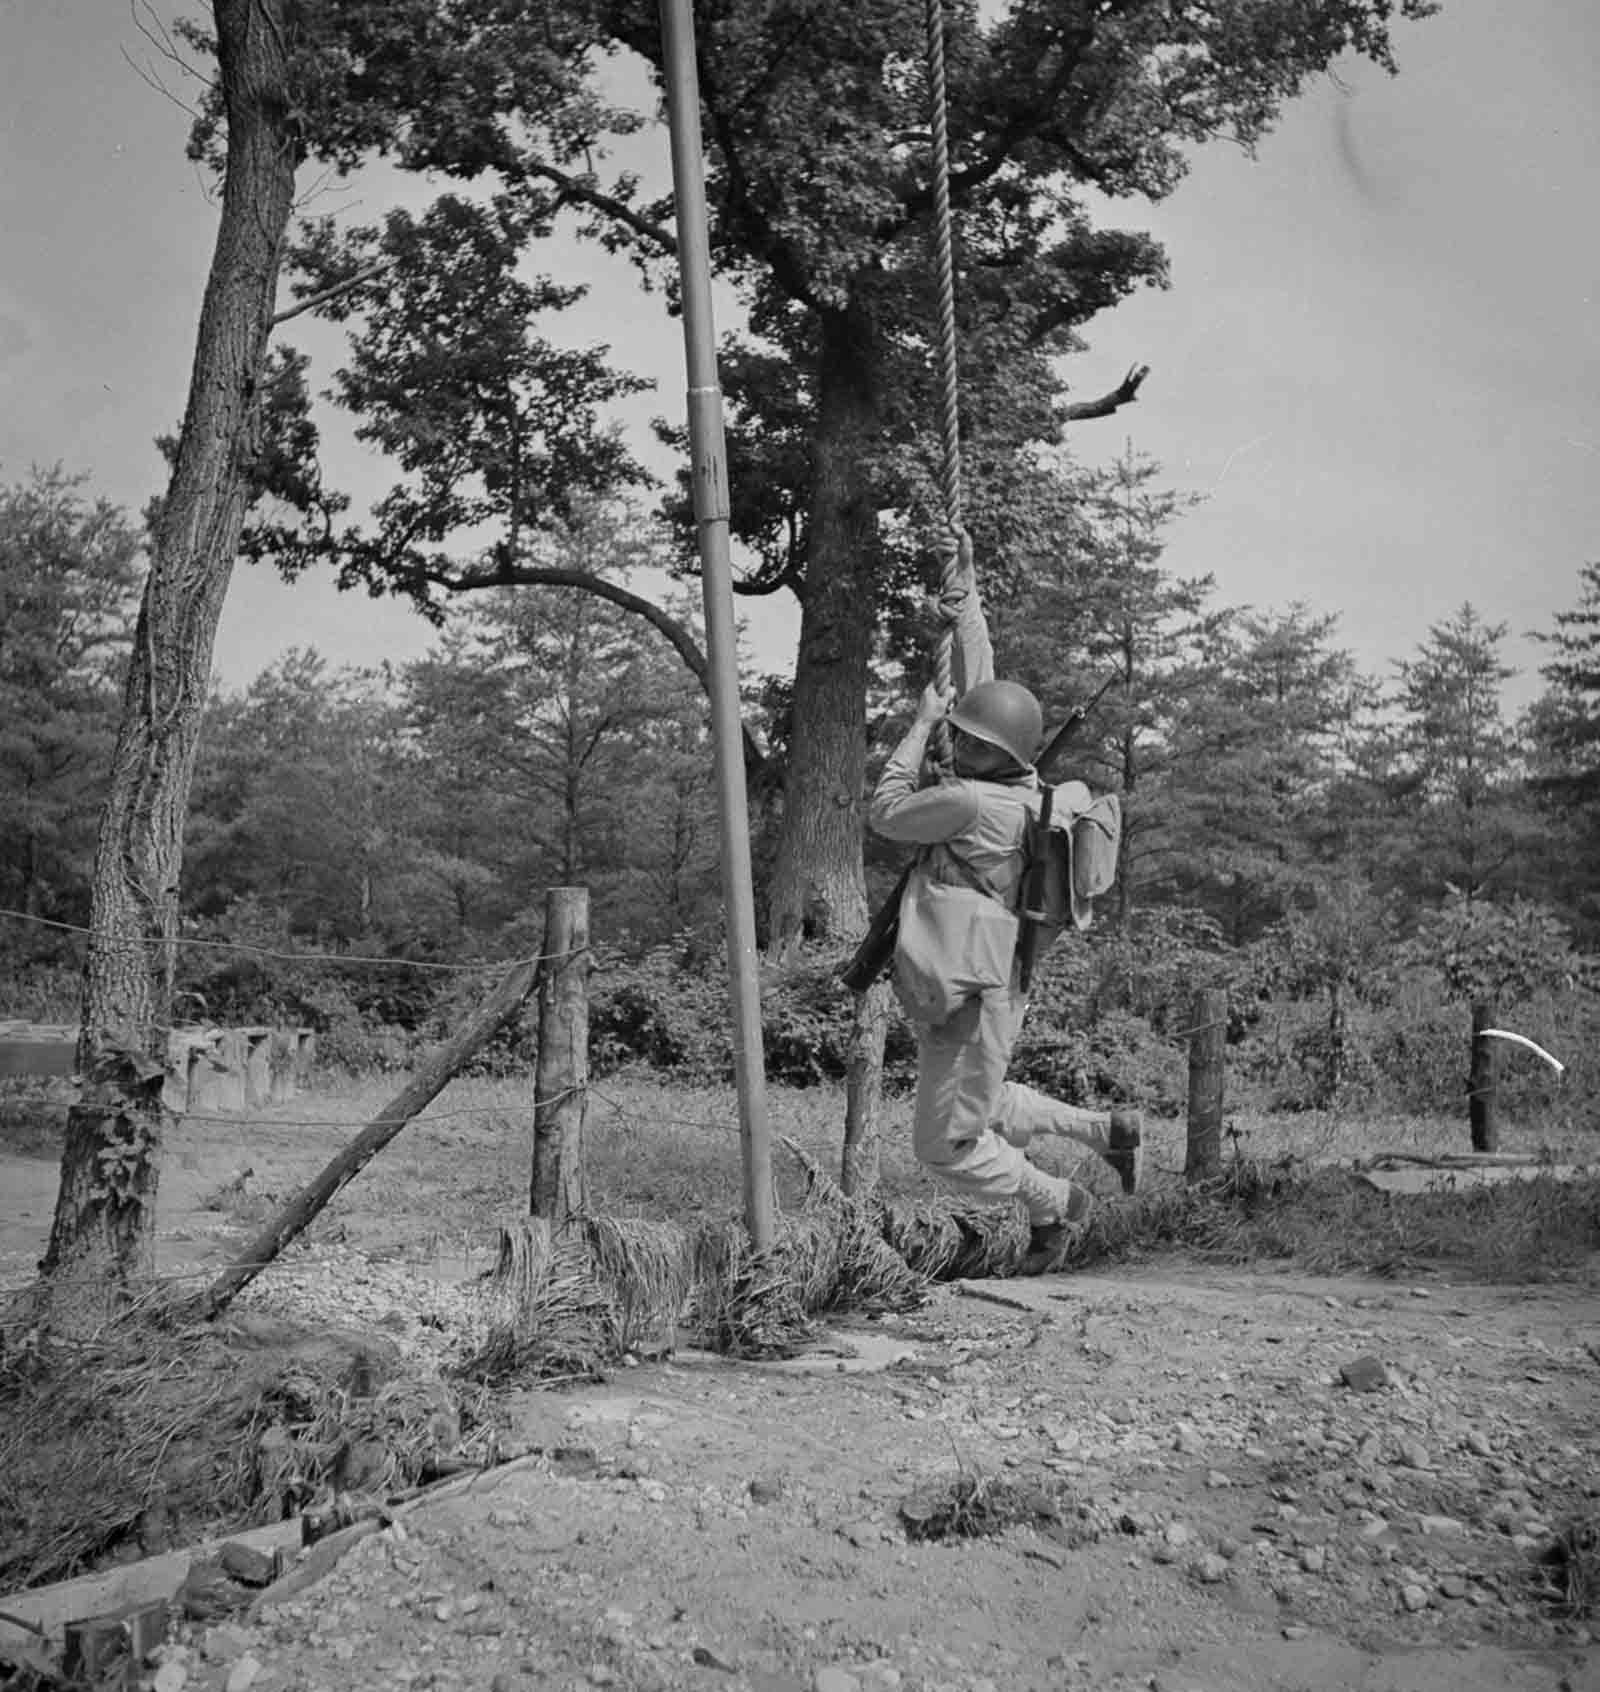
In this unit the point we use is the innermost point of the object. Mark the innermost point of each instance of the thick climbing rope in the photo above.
(949, 386)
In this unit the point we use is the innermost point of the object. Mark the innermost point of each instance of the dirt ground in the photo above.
(1207, 1504)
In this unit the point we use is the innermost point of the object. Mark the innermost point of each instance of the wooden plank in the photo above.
(150, 1581)
(37, 1054)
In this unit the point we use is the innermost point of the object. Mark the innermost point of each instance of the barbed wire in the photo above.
(249, 949)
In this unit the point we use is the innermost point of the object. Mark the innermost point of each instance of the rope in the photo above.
(949, 385)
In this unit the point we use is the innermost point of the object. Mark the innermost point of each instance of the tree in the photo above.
(68, 586)
(102, 1239)
(294, 808)
(293, 81)
(1101, 605)
(584, 747)
(1256, 748)
(818, 181)
(1453, 764)
(1490, 958)
(1563, 736)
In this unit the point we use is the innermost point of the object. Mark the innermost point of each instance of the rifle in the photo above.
(1033, 913)
(871, 957)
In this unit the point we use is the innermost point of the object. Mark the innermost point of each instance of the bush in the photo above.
(663, 1009)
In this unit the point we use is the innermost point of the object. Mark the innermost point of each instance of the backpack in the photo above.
(1081, 861)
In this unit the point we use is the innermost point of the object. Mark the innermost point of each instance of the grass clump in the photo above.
(974, 1505)
(1570, 1568)
(158, 1432)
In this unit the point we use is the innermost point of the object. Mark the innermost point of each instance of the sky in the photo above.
(1378, 362)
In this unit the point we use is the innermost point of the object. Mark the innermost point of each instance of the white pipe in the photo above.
(1523, 1040)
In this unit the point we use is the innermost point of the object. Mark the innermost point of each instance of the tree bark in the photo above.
(818, 884)
(1482, 1081)
(557, 1189)
(863, 1111)
(102, 1241)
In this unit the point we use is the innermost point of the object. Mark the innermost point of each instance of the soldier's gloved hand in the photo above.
(934, 705)
(953, 549)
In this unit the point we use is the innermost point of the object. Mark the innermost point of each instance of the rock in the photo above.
(1413, 1454)
(834, 1679)
(765, 1489)
(1440, 1524)
(170, 1677)
(1478, 1442)
(1414, 1597)
(224, 1643)
(1313, 1559)
(1452, 1586)
(1210, 1568)
(242, 1676)
(248, 1566)
(1295, 1631)
(1364, 1374)
(707, 1658)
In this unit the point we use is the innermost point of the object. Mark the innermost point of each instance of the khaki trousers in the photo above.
(970, 1123)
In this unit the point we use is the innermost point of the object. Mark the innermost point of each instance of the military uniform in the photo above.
(955, 963)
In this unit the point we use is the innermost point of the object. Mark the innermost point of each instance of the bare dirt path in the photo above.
(1214, 1507)
(1230, 1516)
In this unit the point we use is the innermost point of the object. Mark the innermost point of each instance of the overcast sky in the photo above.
(1378, 360)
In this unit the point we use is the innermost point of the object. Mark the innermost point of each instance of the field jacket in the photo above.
(958, 916)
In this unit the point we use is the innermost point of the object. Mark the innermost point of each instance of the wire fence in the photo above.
(244, 948)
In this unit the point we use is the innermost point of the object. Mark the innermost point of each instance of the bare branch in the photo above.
(582, 193)
(323, 296)
(1125, 393)
(676, 634)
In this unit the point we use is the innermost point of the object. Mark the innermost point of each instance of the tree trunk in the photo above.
(818, 884)
(863, 1111)
(557, 1189)
(1482, 1081)
(102, 1239)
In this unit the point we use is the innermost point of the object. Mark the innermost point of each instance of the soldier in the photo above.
(955, 970)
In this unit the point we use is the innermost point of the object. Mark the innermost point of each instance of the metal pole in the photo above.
(710, 476)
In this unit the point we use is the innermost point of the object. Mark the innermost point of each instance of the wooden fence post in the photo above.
(558, 1191)
(1483, 1107)
(1208, 1029)
(433, 1075)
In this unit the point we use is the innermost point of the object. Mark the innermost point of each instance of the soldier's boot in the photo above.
(1057, 1209)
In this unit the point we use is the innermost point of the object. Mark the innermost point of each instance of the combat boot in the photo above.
(1056, 1210)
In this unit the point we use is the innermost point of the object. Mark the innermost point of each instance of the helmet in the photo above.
(1003, 713)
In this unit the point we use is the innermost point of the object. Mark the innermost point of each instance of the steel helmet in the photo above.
(1003, 713)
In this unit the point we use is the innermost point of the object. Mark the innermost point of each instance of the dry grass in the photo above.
(974, 1505)
(1329, 1221)
(1571, 1568)
(93, 1439)
(159, 1432)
